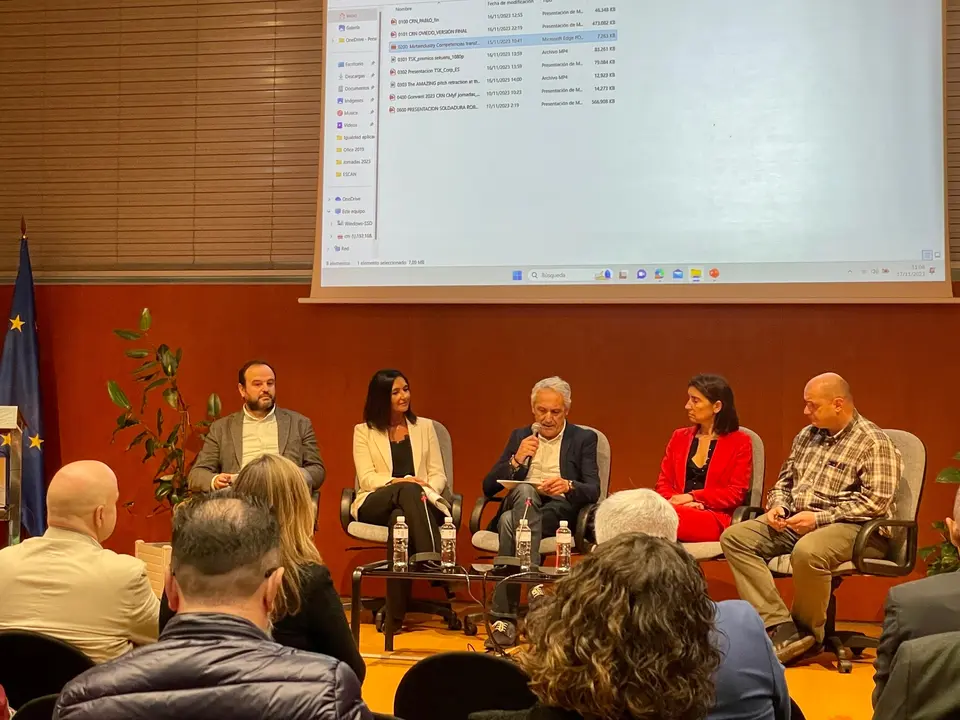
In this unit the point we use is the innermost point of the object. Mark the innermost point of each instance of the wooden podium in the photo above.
(11, 430)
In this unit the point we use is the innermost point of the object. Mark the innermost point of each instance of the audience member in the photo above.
(842, 471)
(642, 646)
(400, 472)
(561, 459)
(930, 606)
(639, 510)
(923, 680)
(750, 682)
(258, 428)
(307, 613)
(64, 584)
(706, 469)
(215, 659)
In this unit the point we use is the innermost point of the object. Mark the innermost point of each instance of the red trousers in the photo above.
(700, 525)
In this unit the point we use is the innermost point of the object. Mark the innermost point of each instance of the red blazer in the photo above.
(728, 476)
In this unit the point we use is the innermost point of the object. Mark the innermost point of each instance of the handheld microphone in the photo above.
(536, 433)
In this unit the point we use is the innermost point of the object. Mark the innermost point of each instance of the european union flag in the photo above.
(20, 386)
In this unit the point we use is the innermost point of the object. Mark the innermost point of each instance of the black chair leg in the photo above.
(844, 644)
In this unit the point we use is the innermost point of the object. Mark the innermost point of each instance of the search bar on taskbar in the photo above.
(577, 275)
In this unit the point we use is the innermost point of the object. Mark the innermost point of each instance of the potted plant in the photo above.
(943, 557)
(164, 444)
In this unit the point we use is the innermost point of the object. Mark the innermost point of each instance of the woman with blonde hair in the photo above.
(308, 614)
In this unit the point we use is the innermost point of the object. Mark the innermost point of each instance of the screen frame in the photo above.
(940, 291)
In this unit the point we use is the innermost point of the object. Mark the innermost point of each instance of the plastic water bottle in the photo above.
(523, 544)
(448, 545)
(401, 535)
(564, 547)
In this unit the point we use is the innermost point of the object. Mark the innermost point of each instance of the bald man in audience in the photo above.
(917, 609)
(842, 471)
(65, 585)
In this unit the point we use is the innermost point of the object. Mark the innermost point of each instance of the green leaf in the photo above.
(957, 456)
(170, 395)
(128, 334)
(949, 475)
(213, 405)
(939, 525)
(145, 319)
(146, 378)
(155, 384)
(148, 365)
(179, 355)
(137, 353)
(169, 363)
(137, 440)
(173, 434)
(926, 552)
(159, 422)
(164, 488)
(151, 448)
(117, 395)
(164, 465)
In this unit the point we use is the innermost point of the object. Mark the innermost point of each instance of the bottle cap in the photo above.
(564, 523)
(449, 519)
(523, 522)
(401, 518)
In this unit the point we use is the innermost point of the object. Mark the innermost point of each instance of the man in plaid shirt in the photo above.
(842, 471)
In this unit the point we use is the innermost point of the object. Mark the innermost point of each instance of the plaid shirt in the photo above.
(848, 477)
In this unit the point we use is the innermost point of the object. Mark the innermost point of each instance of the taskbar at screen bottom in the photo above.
(934, 270)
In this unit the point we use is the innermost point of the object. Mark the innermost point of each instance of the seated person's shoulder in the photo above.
(926, 591)
(124, 568)
(738, 613)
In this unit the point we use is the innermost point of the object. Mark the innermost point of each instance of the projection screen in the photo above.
(641, 150)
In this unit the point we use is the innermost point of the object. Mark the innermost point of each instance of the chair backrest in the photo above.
(446, 457)
(909, 489)
(603, 460)
(34, 665)
(755, 496)
(452, 685)
(156, 556)
(40, 708)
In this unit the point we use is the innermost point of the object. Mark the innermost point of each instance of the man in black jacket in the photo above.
(561, 458)
(215, 659)
(917, 609)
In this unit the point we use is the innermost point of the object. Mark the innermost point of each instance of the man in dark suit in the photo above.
(917, 609)
(259, 428)
(923, 680)
(562, 459)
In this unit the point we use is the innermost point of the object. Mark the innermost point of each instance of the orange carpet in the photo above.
(820, 691)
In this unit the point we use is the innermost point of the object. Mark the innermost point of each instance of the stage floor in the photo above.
(820, 691)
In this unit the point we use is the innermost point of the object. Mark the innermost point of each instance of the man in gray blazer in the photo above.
(923, 680)
(259, 428)
(917, 609)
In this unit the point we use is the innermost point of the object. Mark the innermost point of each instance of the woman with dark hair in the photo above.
(642, 647)
(399, 467)
(706, 469)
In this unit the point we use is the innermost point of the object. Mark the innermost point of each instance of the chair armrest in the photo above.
(580, 541)
(747, 512)
(346, 500)
(476, 515)
(869, 566)
(456, 509)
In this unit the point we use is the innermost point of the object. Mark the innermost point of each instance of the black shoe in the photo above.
(789, 643)
(535, 597)
(503, 634)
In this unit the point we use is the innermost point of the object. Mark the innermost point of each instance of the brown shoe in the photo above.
(789, 643)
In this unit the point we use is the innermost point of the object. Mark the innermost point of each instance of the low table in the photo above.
(478, 571)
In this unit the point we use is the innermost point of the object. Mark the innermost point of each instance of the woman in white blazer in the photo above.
(398, 462)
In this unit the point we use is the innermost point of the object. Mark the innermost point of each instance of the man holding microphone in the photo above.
(558, 462)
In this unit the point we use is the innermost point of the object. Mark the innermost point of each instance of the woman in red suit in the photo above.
(706, 469)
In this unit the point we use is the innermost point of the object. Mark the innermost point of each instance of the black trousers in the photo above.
(383, 507)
